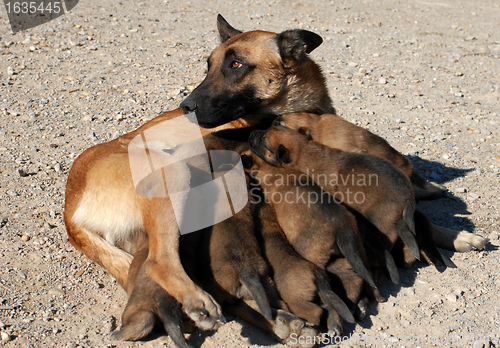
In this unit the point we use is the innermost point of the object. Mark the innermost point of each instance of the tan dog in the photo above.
(103, 211)
(367, 184)
(335, 132)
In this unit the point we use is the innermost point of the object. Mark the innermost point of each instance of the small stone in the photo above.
(10, 71)
(5, 337)
(57, 167)
(461, 189)
(398, 120)
(411, 291)
(493, 235)
(473, 196)
(382, 80)
(65, 240)
(92, 48)
(25, 238)
(478, 344)
(23, 172)
(452, 297)
(362, 71)
(352, 64)
(445, 156)
(458, 292)
(91, 135)
(2, 325)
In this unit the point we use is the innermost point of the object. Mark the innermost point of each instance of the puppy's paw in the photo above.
(467, 241)
(203, 310)
(293, 331)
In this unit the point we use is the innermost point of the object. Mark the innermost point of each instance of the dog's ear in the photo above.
(295, 44)
(226, 31)
(282, 155)
(306, 132)
(247, 161)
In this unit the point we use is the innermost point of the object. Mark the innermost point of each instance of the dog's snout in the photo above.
(188, 105)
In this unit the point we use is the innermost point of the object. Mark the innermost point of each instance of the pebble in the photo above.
(25, 238)
(411, 291)
(382, 80)
(57, 167)
(445, 156)
(5, 337)
(23, 172)
(399, 120)
(460, 189)
(493, 235)
(10, 71)
(452, 297)
(473, 196)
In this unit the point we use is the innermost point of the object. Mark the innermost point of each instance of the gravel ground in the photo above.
(424, 75)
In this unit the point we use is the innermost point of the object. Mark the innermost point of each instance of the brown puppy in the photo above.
(147, 303)
(334, 131)
(318, 228)
(299, 281)
(380, 192)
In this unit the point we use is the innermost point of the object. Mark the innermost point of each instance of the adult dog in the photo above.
(250, 73)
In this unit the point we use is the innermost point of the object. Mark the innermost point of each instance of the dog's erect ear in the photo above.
(282, 155)
(295, 44)
(226, 31)
(306, 132)
(247, 161)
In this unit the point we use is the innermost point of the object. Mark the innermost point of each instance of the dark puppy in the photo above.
(148, 304)
(299, 281)
(365, 183)
(333, 131)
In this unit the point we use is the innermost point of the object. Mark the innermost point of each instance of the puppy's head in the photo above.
(303, 123)
(278, 146)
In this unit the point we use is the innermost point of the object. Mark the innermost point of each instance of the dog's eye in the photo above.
(236, 65)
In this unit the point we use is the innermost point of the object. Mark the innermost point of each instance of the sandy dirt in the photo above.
(423, 75)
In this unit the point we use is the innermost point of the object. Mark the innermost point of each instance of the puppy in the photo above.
(298, 281)
(318, 228)
(333, 131)
(365, 183)
(148, 304)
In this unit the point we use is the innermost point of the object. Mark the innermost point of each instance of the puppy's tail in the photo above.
(353, 250)
(258, 293)
(135, 326)
(171, 316)
(329, 298)
(406, 228)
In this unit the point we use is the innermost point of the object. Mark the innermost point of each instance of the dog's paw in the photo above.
(203, 310)
(293, 331)
(467, 241)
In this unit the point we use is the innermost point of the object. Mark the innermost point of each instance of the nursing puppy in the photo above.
(388, 203)
(333, 131)
(299, 281)
(316, 226)
(149, 304)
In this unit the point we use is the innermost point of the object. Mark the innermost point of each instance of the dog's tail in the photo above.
(171, 315)
(258, 293)
(406, 228)
(329, 298)
(385, 260)
(433, 191)
(353, 250)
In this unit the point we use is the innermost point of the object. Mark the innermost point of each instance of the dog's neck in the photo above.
(305, 91)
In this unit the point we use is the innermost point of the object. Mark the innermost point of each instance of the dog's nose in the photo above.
(188, 105)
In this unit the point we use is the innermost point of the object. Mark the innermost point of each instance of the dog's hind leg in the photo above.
(460, 241)
(114, 260)
(425, 190)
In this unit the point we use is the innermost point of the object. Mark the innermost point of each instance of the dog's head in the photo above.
(278, 146)
(254, 72)
(303, 123)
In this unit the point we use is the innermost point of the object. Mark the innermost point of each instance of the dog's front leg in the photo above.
(163, 265)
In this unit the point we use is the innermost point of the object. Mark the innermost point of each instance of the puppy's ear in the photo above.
(282, 155)
(247, 161)
(306, 132)
(295, 44)
(226, 31)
